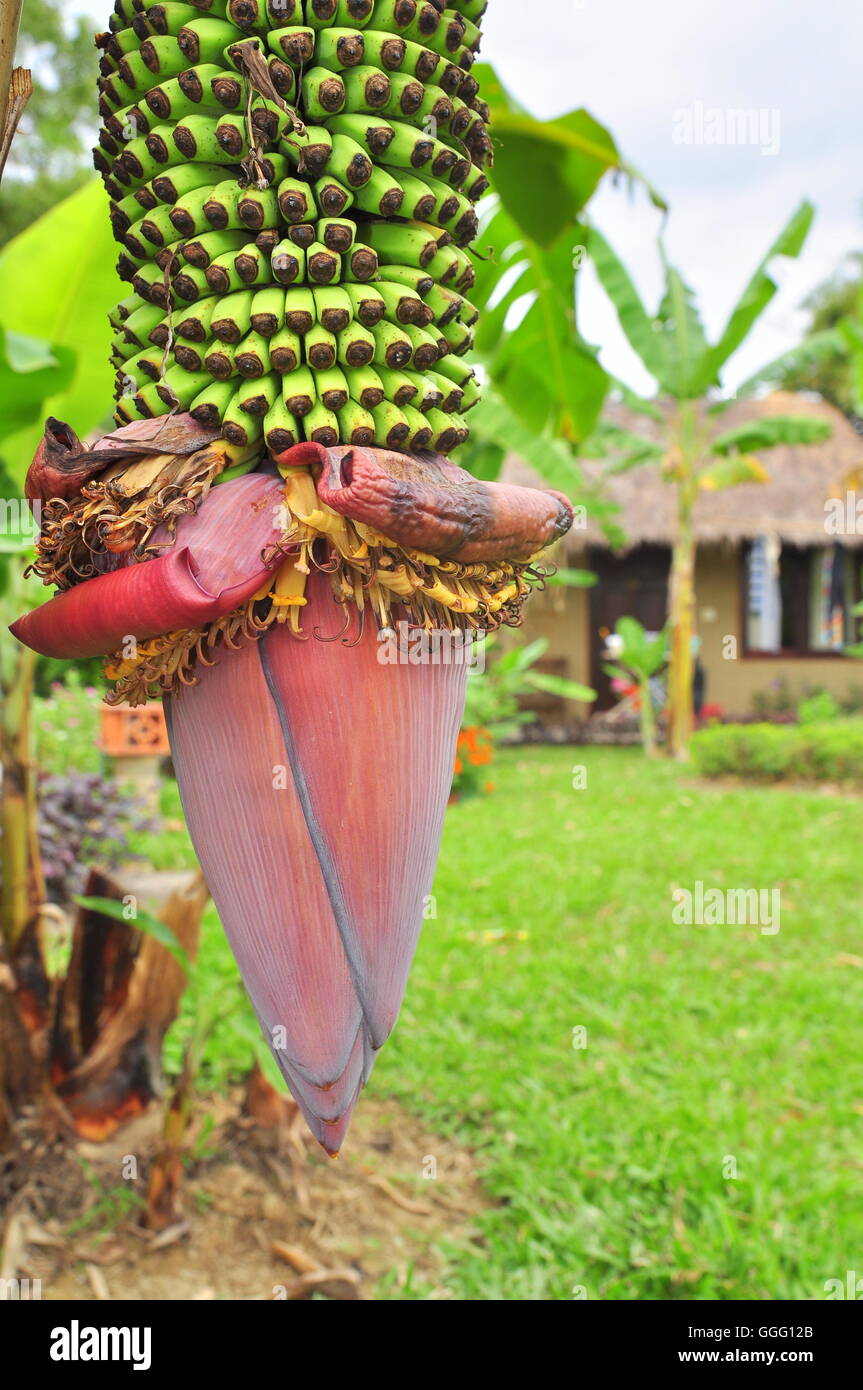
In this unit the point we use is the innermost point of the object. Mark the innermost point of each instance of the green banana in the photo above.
(393, 348)
(295, 43)
(300, 310)
(403, 305)
(365, 385)
(280, 427)
(252, 356)
(361, 263)
(285, 351)
(367, 302)
(219, 361)
(322, 265)
(420, 431)
(212, 139)
(320, 347)
(383, 195)
(288, 262)
(356, 346)
(209, 407)
(398, 386)
(173, 184)
(356, 425)
(203, 250)
(425, 347)
(321, 426)
(196, 321)
(268, 310)
(298, 391)
(240, 425)
(332, 388)
(332, 197)
(295, 200)
(391, 427)
(333, 306)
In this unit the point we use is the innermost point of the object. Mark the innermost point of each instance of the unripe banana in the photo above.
(321, 426)
(268, 310)
(383, 195)
(219, 361)
(298, 392)
(320, 347)
(207, 89)
(403, 305)
(393, 348)
(173, 184)
(416, 21)
(288, 262)
(212, 139)
(356, 425)
(365, 385)
(252, 357)
(280, 428)
(209, 407)
(332, 388)
(367, 302)
(421, 432)
(400, 388)
(333, 306)
(300, 310)
(204, 249)
(194, 323)
(391, 427)
(241, 425)
(285, 351)
(356, 346)
(332, 197)
(294, 43)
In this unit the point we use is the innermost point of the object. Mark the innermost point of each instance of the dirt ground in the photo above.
(266, 1215)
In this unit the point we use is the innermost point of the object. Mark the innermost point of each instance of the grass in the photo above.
(706, 1142)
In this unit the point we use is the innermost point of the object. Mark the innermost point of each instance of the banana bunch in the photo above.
(292, 184)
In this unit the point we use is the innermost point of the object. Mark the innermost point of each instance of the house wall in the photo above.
(732, 682)
(563, 617)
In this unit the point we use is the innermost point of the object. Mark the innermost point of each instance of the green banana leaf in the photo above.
(527, 336)
(58, 282)
(30, 371)
(642, 331)
(760, 289)
(546, 171)
(730, 472)
(767, 433)
(685, 339)
(494, 422)
(817, 348)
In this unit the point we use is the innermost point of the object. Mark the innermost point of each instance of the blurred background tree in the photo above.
(50, 157)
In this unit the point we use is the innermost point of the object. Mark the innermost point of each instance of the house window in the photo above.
(799, 600)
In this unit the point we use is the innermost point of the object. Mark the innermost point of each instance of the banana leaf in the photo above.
(57, 282)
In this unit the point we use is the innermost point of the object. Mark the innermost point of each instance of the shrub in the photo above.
(827, 752)
(818, 708)
(84, 819)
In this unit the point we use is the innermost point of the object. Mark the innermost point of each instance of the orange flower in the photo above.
(459, 766)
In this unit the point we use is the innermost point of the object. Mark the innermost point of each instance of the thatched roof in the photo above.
(791, 504)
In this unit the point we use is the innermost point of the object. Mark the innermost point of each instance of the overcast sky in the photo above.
(636, 67)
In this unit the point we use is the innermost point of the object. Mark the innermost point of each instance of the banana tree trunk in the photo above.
(682, 619)
(648, 720)
(23, 884)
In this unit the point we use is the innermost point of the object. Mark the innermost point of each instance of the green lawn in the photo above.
(710, 1049)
